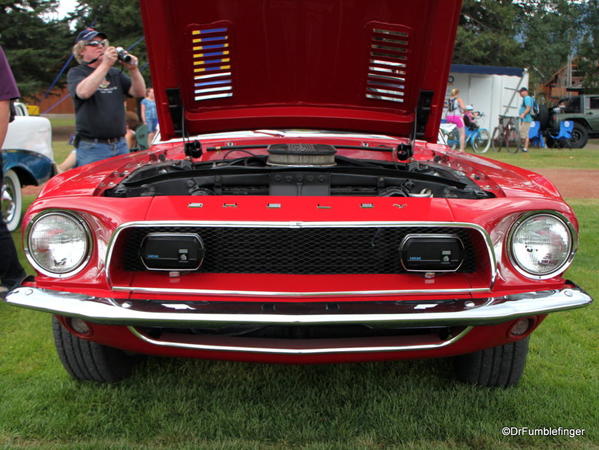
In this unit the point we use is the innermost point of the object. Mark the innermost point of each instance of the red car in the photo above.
(297, 209)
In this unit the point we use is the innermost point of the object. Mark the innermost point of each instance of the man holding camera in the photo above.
(99, 91)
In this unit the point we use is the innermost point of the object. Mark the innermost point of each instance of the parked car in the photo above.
(297, 209)
(28, 159)
(583, 110)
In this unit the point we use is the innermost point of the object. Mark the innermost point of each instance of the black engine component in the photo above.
(301, 155)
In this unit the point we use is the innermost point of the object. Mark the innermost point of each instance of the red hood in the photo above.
(359, 65)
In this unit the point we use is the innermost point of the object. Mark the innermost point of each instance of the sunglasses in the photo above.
(102, 43)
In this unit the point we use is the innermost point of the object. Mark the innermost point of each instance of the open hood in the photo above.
(358, 65)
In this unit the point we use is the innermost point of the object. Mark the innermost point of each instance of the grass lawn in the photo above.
(176, 403)
(541, 158)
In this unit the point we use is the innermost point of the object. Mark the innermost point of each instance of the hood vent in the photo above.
(301, 155)
(388, 64)
(211, 63)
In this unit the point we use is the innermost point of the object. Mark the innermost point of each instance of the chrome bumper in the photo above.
(484, 311)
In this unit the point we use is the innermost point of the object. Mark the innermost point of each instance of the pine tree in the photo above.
(36, 47)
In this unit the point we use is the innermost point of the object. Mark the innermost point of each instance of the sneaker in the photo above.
(525, 150)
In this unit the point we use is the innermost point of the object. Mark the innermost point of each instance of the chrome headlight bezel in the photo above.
(520, 222)
(83, 260)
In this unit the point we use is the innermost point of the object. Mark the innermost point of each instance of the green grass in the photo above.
(177, 403)
(541, 158)
(62, 120)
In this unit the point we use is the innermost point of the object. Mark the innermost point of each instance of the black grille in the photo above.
(296, 251)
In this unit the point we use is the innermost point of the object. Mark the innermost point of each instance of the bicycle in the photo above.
(506, 134)
(478, 138)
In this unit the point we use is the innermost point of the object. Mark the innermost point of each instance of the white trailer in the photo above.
(492, 90)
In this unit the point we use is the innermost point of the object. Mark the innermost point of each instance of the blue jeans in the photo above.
(92, 151)
(11, 272)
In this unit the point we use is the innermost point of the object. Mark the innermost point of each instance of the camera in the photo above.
(123, 55)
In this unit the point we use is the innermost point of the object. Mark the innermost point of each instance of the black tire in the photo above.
(514, 144)
(543, 117)
(12, 200)
(497, 139)
(482, 142)
(493, 367)
(580, 136)
(453, 139)
(89, 361)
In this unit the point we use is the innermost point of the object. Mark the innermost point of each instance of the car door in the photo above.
(592, 112)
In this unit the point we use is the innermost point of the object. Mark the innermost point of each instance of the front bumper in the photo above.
(483, 311)
(134, 320)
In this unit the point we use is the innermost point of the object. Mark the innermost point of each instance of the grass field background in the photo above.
(176, 403)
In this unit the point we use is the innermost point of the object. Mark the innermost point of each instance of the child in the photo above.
(470, 117)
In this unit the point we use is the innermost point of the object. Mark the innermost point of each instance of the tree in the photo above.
(487, 34)
(588, 62)
(549, 31)
(35, 47)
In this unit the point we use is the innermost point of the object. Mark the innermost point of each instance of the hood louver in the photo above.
(211, 63)
(387, 70)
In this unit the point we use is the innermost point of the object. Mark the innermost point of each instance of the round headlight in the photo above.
(58, 244)
(541, 245)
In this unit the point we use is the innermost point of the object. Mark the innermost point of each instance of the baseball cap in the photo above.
(522, 89)
(88, 34)
(469, 107)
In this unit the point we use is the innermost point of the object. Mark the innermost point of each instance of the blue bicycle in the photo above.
(478, 138)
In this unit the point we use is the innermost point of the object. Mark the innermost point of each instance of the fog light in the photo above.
(521, 327)
(80, 326)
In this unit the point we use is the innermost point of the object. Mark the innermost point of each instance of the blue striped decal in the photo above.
(210, 30)
(210, 69)
(211, 61)
(210, 39)
(210, 47)
(204, 55)
(212, 83)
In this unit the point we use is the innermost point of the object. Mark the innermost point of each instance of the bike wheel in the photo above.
(481, 141)
(453, 139)
(514, 142)
(497, 139)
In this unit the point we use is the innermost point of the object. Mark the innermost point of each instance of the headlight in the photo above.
(58, 244)
(542, 245)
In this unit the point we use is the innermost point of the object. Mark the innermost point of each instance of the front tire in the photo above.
(12, 200)
(580, 136)
(497, 140)
(514, 144)
(494, 367)
(482, 142)
(88, 361)
(453, 139)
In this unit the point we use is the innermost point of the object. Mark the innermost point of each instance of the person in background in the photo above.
(99, 90)
(11, 271)
(455, 107)
(133, 122)
(470, 118)
(148, 113)
(69, 162)
(525, 116)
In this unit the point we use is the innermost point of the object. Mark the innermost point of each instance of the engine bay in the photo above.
(297, 170)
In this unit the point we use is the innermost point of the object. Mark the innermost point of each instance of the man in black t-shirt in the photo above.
(99, 91)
